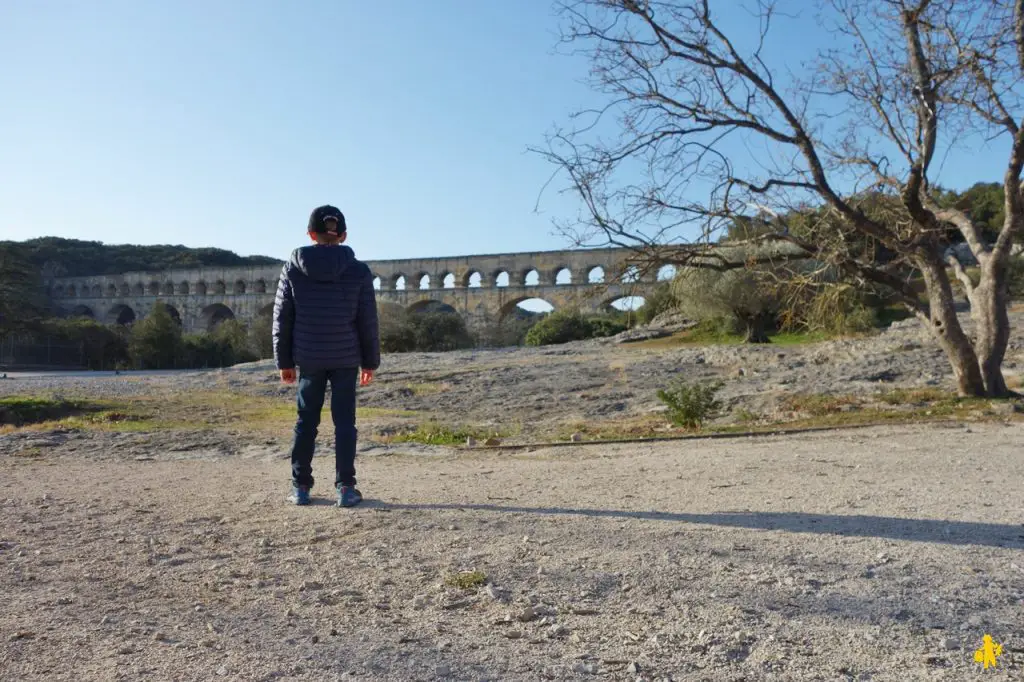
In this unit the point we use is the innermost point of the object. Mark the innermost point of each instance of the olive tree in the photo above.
(701, 128)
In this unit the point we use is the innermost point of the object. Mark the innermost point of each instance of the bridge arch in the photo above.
(531, 277)
(422, 281)
(173, 312)
(153, 289)
(168, 288)
(595, 275)
(201, 288)
(183, 288)
(377, 282)
(561, 275)
(501, 278)
(219, 288)
(83, 311)
(120, 314)
(239, 288)
(511, 305)
(398, 282)
(111, 290)
(448, 280)
(624, 303)
(473, 279)
(260, 286)
(71, 291)
(138, 289)
(96, 291)
(213, 315)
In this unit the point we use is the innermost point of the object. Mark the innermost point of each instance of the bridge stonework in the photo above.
(481, 288)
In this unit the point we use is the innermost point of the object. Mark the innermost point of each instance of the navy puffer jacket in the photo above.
(325, 312)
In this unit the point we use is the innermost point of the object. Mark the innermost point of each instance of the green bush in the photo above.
(1015, 277)
(833, 308)
(228, 344)
(261, 339)
(402, 332)
(749, 296)
(156, 341)
(103, 347)
(689, 405)
(440, 331)
(660, 301)
(605, 326)
(559, 327)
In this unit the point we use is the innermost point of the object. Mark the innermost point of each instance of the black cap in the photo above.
(320, 221)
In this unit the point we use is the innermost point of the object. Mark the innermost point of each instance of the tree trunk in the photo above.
(756, 328)
(989, 310)
(945, 326)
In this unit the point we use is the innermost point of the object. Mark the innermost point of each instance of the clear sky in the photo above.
(224, 122)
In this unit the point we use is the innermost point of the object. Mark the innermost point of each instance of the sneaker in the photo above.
(300, 494)
(348, 496)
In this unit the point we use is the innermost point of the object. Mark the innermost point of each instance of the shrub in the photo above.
(103, 347)
(605, 326)
(156, 341)
(1015, 277)
(559, 327)
(833, 308)
(689, 405)
(397, 334)
(402, 332)
(660, 301)
(261, 339)
(440, 331)
(747, 295)
(510, 331)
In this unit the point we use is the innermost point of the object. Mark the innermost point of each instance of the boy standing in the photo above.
(325, 324)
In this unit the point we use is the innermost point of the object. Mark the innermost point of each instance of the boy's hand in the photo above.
(287, 376)
(365, 377)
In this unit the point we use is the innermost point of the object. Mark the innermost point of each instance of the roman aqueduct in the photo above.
(481, 288)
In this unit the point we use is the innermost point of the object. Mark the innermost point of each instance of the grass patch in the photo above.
(818, 405)
(22, 410)
(466, 580)
(435, 433)
(914, 396)
(428, 388)
(192, 411)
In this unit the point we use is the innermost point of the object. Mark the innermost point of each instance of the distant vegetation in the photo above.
(59, 257)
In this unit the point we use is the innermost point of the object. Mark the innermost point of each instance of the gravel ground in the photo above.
(884, 553)
(879, 554)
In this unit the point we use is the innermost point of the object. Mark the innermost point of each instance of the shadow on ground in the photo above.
(917, 530)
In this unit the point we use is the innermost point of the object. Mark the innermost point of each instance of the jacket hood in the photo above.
(322, 263)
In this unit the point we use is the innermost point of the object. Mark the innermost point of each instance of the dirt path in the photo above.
(882, 554)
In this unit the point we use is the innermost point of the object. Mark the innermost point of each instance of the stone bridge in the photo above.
(482, 288)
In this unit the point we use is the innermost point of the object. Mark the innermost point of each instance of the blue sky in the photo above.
(224, 122)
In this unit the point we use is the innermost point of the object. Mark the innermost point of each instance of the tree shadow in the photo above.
(918, 530)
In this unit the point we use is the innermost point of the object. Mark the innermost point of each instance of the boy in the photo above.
(325, 323)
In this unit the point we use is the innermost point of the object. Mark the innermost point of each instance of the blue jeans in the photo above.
(312, 389)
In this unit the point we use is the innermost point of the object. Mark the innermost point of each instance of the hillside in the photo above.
(75, 257)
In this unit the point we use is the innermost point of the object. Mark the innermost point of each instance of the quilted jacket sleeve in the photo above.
(366, 323)
(284, 322)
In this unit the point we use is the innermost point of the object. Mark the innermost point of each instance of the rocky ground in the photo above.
(166, 550)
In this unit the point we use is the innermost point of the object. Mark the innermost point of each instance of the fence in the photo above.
(27, 351)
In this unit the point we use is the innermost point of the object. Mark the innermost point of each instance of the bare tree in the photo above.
(699, 131)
